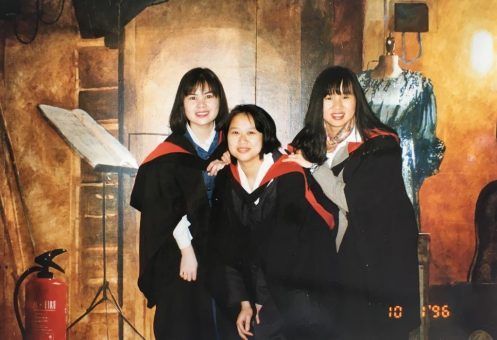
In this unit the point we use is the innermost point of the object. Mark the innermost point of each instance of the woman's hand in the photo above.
(188, 265)
(299, 159)
(218, 164)
(257, 310)
(226, 157)
(244, 319)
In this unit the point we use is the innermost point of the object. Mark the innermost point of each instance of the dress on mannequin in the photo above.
(404, 100)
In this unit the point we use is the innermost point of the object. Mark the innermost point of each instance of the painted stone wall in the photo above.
(41, 72)
(57, 68)
(466, 102)
(257, 48)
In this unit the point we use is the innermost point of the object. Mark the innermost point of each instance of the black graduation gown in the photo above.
(377, 259)
(270, 251)
(168, 185)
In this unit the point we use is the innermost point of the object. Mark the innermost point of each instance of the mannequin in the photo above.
(388, 65)
(405, 101)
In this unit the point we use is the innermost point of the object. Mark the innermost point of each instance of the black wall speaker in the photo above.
(9, 9)
(411, 17)
(99, 18)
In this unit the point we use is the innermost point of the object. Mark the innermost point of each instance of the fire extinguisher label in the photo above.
(50, 305)
(46, 306)
(46, 309)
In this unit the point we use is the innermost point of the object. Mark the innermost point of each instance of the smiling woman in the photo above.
(338, 115)
(271, 239)
(201, 108)
(173, 191)
(377, 233)
(244, 141)
(250, 135)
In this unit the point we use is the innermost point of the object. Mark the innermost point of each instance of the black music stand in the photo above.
(106, 155)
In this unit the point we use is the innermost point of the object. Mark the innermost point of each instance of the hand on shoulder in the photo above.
(216, 165)
(298, 158)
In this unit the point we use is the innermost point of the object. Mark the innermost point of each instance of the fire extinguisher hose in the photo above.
(16, 296)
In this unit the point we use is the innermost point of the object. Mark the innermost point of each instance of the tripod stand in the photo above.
(104, 289)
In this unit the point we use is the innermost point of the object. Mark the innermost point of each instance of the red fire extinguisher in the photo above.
(45, 308)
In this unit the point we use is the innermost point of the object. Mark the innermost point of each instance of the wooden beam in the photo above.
(13, 211)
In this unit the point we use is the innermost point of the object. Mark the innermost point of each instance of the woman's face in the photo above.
(244, 141)
(338, 110)
(201, 107)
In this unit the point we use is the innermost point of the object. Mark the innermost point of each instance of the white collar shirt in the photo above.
(267, 162)
(204, 145)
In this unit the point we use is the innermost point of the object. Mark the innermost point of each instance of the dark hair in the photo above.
(312, 139)
(264, 123)
(191, 80)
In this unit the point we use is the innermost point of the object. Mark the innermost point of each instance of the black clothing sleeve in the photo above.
(300, 249)
(165, 190)
(227, 274)
(160, 213)
(280, 241)
(378, 255)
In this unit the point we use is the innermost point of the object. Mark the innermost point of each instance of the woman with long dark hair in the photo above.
(272, 249)
(357, 161)
(173, 191)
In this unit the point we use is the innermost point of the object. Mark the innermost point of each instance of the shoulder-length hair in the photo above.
(334, 80)
(197, 77)
(263, 122)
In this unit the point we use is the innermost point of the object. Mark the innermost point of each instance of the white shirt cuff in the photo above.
(182, 233)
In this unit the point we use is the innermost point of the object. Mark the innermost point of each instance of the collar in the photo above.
(165, 148)
(280, 168)
(267, 162)
(352, 146)
(204, 145)
(353, 141)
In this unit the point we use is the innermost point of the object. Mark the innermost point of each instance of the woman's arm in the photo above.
(218, 164)
(188, 265)
(182, 233)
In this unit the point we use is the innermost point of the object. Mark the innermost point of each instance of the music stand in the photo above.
(105, 154)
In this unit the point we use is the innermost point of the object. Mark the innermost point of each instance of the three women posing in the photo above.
(273, 253)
